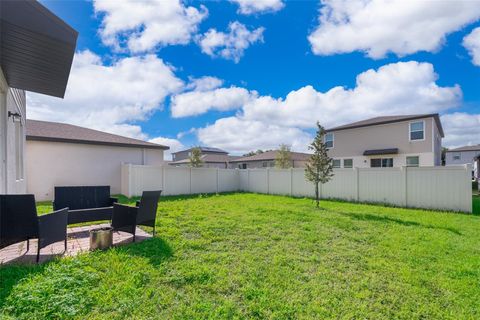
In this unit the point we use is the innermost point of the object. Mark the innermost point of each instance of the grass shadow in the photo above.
(10, 275)
(476, 205)
(156, 250)
(385, 219)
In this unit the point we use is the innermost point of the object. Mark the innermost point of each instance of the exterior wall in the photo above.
(12, 148)
(52, 164)
(466, 157)
(351, 143)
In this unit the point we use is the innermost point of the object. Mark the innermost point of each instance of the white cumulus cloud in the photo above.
(378, 27)
(258, 6)
(472, 43)
(232, 44)
(265, 121)
(142, 25)
(174, 144)
(197, 102)
(461, 129)
(109, 97)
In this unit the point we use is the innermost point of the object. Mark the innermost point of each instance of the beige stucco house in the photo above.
(267, 160)
(465, 155)
(63, 154)
(36, 52)
(389, 141)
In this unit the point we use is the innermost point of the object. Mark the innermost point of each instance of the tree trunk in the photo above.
(317, 198)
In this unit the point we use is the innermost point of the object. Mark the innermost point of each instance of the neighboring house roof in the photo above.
(389, 119)
(204, 149)
(271, 155)
(207, 158)
(62, 132)
(37, 47)
(380, 152)
(466, 148)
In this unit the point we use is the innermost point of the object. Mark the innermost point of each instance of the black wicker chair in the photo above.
(85, 203)
(19, 222)
(127, 218)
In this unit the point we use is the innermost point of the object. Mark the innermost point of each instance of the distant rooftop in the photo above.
(271, 155)
(204, 149)
(209, 158)
(466, 148)
(389, 119)
(63, 132)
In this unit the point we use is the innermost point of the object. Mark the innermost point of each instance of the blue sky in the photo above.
(415, 61)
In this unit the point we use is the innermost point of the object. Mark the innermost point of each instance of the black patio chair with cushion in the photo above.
(85, 203)
(127, 218)
(19, 222)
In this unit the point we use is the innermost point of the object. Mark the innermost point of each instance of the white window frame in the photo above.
(381, 162)
(410, 131)
(339, 163)
(333, 139)
(418, 163)
(348, 166)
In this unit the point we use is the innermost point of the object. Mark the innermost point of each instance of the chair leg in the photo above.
(38, 252)
(134, 231)
(154, 230)
(65, 244)
(28, 245)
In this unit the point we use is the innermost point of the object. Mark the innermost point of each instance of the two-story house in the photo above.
(465, 155)
(388, 141)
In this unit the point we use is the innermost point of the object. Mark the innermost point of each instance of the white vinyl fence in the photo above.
(442, 188)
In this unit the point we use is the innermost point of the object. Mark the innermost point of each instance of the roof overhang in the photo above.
(380, 152)
(36, 47)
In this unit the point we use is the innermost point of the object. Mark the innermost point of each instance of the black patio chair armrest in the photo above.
(113, 200)
(124, 218)
(52, 227)
(137, 203)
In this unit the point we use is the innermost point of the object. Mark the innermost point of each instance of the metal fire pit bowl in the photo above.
(101, 238)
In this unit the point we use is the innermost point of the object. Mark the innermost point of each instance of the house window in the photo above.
(413, 161)
(457, 156)
(329, 140)
(381, 163)
(348, 163)
(243, 166)
(336, 163)
(18, 150)
(417, 130)
(264, 164)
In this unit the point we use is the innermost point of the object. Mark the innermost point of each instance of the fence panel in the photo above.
(257, 181)
(439, 188)
(382, 185)
(279, 181)
(443, 188)
(228, 180)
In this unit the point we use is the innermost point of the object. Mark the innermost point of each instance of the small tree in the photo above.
(283, 160)
(319, 168)
(195, 157)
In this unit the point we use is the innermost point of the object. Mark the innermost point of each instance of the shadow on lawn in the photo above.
(156, 250)
(385, 219)
(10, 275)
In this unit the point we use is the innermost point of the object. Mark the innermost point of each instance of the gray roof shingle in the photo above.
(271, 155)
(63, 132)
(466, 148)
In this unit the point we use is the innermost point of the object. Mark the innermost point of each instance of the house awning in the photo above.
(36, 47)
(380, 152)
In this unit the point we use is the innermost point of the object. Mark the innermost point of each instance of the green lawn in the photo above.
(254, 256)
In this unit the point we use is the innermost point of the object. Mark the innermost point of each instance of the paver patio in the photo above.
(78, 241)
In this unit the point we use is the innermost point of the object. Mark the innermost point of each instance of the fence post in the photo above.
(291, 182)
(248, 180)
(217, 178)
(468, 171)
(268, 180)
(190, 184)
(405, 188)
(164, 187)
(357, 184)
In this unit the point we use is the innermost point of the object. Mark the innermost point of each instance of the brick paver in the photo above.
(78, 241)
